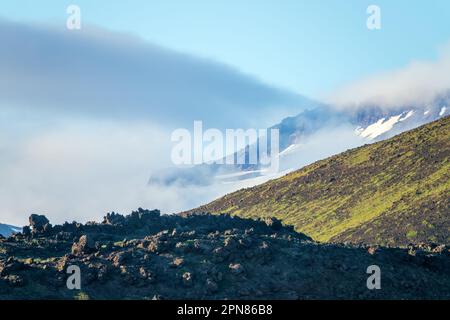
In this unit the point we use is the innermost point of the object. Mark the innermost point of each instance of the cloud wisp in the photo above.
(419, 83)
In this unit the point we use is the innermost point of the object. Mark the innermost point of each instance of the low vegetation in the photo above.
(392, 192)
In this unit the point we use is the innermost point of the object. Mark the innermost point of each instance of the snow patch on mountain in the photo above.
(408, 115)
(289, 150)
(382, 125)
(378, 128)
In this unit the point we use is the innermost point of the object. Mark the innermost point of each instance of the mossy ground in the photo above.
(379, 193)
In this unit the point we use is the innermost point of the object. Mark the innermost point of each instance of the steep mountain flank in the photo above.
(393, 192)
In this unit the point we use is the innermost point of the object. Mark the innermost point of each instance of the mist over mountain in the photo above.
(315, 133)
(391, 192)
(64, 138)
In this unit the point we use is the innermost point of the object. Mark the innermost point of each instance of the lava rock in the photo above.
(273, 223)
(39, 223)
(86, 244)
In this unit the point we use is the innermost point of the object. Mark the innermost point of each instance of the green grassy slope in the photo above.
(392, 192)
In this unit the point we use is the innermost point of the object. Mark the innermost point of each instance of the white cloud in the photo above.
(78, 170)
(112, 75)
(86, 117)
(416, 84)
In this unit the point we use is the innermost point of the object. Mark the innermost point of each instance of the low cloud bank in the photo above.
(113, 75)
(419, 83)
(86, 117)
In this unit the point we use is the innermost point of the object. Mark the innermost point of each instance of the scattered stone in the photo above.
(121, 257)
(187, 279)
(85, 245)
(63, 263)
(273, 223)
(177, 262)
(153, 246)
(143, 273)
(236, 268)
(211, 286)
(230, 243)
(15, 280)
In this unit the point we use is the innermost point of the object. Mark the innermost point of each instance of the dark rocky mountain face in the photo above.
(147, 255)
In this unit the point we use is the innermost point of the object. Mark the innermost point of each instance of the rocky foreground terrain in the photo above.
(146, 255)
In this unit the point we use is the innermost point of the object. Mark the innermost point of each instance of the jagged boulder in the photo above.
(187, 279)
(143, 214)
(86, 244)
(236, 268)
(39, 223)
(136, 219)
(273, 223)
(177, 262)
(121, 257)
(26, 231)
(113, 219)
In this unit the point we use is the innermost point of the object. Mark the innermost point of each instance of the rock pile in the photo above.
(149, 255)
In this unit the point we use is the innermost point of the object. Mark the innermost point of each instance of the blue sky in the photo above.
(86, 116)
(310, 47)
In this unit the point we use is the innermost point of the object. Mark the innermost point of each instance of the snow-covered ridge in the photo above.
(387, 123)
(382, 126)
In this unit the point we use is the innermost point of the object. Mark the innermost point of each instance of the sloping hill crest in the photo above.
(393, 192)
